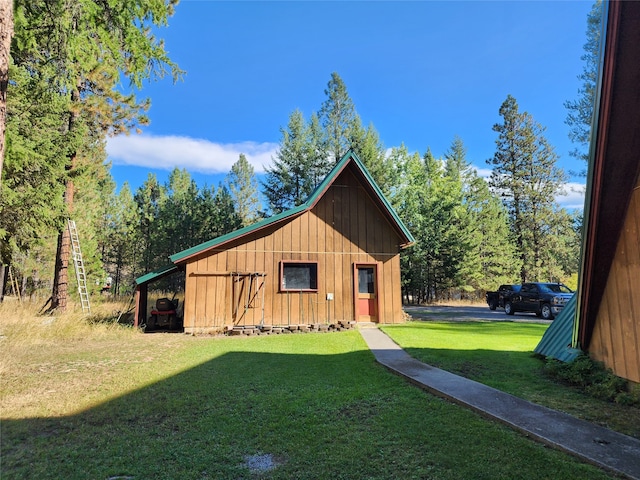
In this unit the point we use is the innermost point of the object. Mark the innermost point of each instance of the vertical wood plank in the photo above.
(189, 298)
(271, 280)
(329, 258)
(201, 293)
(221, 286)
(628, 264)
(208, 318)
(345, 257)
(633, 242)
(362, 221)
(321, 227)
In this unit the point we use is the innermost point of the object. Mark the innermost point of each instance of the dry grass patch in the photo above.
(60, 364)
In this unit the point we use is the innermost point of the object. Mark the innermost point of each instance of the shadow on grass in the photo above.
(320, 416)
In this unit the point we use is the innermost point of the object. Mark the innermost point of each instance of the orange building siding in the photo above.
(345, 227)
(616, 334)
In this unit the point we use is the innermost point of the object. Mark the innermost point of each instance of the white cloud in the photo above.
(573, 196)
(193, 154)
(482, 172)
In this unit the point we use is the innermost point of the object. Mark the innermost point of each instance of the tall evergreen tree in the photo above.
(290, 180)
(580, 111)
(408, 198)
(456, 165)
(177, 217)
(220, 214)
(316, 153)
(432, 205)
(495, 261)
(525, 175)
(118, 243)
(30, 193)
(149, 198)
(370, 150)
(337, 115)
(243, 187)
(92, 44)
(458, 171)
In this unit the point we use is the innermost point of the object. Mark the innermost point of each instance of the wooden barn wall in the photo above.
(616, 335)
(345, 227)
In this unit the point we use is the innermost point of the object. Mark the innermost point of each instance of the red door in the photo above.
(366, 293)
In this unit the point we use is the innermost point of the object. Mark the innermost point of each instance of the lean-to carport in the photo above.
(142, 290)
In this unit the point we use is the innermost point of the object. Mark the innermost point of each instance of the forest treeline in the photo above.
(472, 234)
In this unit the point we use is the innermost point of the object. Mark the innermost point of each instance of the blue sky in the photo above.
(420, 71)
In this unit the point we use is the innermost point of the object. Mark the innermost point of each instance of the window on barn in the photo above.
(298, 276)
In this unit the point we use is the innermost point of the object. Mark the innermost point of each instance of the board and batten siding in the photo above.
(344, 228)
(616, 334)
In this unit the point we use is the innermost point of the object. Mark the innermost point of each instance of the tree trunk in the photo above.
(6, 33)
(23, 286)
(3, 281)
(60, 291)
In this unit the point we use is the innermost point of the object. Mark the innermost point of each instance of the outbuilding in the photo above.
(334, 258)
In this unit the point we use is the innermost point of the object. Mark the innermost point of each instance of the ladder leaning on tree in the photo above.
(81, 276)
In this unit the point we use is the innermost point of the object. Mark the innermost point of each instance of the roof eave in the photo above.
(350, 156)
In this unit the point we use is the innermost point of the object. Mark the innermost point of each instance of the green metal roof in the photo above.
(556, 341)
(162, 272)
(350, 156)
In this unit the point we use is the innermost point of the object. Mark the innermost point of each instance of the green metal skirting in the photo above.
(556, 341)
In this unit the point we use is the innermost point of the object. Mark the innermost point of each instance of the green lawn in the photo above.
(177, 407)
(500, 354)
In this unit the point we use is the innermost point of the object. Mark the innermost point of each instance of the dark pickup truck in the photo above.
(496, 299)
(546, 300)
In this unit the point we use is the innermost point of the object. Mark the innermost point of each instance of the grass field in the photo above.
(98, 401)
(499, 354)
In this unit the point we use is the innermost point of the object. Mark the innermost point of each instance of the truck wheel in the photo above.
(492, 305)
(546, 312)
(508, 308)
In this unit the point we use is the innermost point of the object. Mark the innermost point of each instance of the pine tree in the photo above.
(495, 261)
(338, 116)
(291, 178)
(177, 219)
(149, 198)
(525, 175)
(92, 45)
(316, 153)
(30, 193)
(580, 111)
(367, 145)
(456, 165)
(243, 187)
(226, 218)
(408, 198)
(118, 249)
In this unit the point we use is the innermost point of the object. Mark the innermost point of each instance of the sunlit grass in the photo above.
(113, 402)
(500, 354)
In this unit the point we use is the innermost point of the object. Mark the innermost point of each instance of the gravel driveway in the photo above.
(467, 314)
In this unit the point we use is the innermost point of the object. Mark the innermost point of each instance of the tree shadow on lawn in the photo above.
(320, 416)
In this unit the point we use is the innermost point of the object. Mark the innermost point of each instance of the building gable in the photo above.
(349, 163)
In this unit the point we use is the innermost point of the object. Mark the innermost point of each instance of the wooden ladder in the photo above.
(81, 275)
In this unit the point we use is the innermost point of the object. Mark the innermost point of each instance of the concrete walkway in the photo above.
(597, 445)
